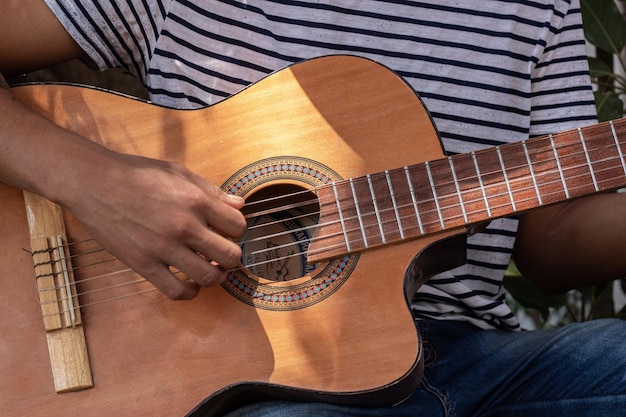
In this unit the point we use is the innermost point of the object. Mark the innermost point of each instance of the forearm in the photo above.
(31, 38)
(578, 243)
(24, 157)
(38, 156)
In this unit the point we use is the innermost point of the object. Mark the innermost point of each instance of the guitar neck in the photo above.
(466, 189)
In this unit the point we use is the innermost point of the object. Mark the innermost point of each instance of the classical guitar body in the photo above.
(338, 330)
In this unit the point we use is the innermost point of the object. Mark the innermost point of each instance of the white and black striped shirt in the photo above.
(489, 71)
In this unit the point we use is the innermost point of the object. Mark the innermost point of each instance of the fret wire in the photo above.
(395, 205)
(407, 173)
(502, 206)
(532, 173)
(414, 199)
(617, 144)
(558, 164)
(458, 190)
(593, 175)
(341, 219)
(474, 212)
(358, 213)
(481, 184)
(432, 186)
(527, 188)
(507, 205)
(506, 178)
(380, 224)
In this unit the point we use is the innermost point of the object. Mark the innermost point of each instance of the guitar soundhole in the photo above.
(281, 223)
(282, 214)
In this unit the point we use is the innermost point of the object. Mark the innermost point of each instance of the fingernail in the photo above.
(236, 198)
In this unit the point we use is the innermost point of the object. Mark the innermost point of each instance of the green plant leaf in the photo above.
(604, 25)
(598, 290)
(598, 68)
(528, 295)
(609, 105)
(602, 304)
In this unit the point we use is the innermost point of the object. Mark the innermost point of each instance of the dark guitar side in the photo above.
(154, 357)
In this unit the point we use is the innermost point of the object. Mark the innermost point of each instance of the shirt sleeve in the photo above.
(562, 97)
(114, 33)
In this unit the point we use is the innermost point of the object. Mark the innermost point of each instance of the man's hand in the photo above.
(153, 214)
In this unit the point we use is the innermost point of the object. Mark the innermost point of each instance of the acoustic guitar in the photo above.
(351, 207)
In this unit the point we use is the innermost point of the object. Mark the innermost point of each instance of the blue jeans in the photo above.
(575, 371)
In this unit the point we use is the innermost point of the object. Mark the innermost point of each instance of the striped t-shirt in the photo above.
(489, 71)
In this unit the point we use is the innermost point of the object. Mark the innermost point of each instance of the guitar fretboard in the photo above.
(465, 189)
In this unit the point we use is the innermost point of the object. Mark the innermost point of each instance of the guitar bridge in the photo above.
(55, 284)
(60, 310)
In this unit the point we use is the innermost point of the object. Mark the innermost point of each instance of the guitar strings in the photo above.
(281, 208)
(109, 274)
(125, 284)
(523, 178)
(93, 303)
(121, 296)
(311, 227)
(78, 306)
